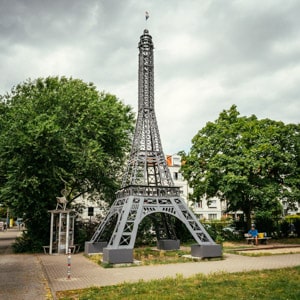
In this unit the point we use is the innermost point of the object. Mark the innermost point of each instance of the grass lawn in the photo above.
(153, 256)
(269, 284)
(150, 256)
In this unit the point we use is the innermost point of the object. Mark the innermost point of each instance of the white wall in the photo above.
(203, 209)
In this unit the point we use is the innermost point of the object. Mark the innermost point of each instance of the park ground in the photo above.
(40, 276)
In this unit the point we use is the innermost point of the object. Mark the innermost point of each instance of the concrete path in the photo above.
(85, 273)
(25, 276)
(21, 275)
(22, 278)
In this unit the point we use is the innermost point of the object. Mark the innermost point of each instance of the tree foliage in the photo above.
(59, 133)
(249, 162)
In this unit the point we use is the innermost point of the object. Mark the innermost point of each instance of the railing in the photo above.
(155, 191)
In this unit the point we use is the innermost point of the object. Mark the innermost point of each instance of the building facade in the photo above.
(205, 209)
(214, 208)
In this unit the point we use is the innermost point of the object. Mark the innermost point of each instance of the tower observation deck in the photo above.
(147, 187)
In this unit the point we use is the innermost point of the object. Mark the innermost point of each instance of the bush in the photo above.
(222, 231)
(265, 222)
(297, 226)
(284, 228)
(294, 219)
(24, 243)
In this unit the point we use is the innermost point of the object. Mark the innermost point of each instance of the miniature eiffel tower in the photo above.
(147, 186)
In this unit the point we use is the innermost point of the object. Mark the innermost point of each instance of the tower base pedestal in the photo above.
(168, 244)
(91, 248)
(206, 251)
(117, 256)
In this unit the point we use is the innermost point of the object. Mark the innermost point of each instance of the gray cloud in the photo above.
(208, 54)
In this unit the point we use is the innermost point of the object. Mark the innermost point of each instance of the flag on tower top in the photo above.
(146, 15)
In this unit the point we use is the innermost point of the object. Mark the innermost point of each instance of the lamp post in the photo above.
(7, 218)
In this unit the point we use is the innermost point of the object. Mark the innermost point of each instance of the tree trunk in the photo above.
(248, 218)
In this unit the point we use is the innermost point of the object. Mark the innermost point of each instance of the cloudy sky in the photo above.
(209, 54)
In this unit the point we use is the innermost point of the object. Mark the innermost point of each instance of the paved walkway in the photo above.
(85, 273)
(30, 276)
(21, 275)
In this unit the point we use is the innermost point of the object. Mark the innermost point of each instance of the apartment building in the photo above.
(213, 209)
(208, 209)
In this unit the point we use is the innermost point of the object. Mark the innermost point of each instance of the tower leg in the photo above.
(96, 247)
(132, 210)
(206, 251)
(168, 244)
(117, 256)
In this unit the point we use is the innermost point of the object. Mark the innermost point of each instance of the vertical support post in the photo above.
(59, 233)
(51, 233)
(68, 232)
(7, 219)
(69, 264)
(73, 229)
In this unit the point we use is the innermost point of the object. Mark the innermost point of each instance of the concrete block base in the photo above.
(168, 244)
(206, 251)
(90, 248)
(117, 256)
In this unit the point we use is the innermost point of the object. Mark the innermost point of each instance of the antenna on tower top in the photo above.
(146, 15)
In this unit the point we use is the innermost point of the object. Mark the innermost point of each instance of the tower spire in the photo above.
(147, 165)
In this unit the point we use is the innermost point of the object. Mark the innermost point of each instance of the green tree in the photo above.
(58, 133)
(249, 162)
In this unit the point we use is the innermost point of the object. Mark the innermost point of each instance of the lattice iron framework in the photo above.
(146, 165)
(147, 185)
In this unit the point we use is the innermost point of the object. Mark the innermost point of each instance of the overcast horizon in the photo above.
(208, 55)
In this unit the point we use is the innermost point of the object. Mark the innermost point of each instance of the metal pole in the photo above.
(59, 233)
(7, 218)
(69, 264)
(51, 232)
(68, 232)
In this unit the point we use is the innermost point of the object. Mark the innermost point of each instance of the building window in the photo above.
(176, 160)
(212, 216)
(212, 204)
(177, 176)
(198, 204)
